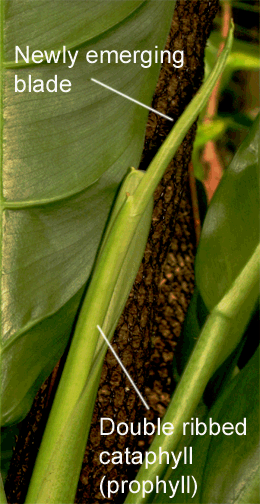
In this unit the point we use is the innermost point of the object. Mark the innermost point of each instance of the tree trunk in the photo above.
(150, 326)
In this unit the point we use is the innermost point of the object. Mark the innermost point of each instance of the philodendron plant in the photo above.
(54, 214)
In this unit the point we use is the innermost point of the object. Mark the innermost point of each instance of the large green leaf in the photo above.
(73, 25)
(226, 467)
(230, 234)
(63, 158)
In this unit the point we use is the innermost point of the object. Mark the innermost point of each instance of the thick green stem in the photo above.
(200, 368)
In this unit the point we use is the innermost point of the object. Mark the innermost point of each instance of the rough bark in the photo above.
(150, 326)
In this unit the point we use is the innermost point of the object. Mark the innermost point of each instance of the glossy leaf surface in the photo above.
(229, 235)
(63, 158)
(226, 467)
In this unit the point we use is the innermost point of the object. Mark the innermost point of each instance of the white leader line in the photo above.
(132, 99)
(123, 367)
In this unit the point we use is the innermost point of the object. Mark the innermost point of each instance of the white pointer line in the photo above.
(123, 367)
(132, 99)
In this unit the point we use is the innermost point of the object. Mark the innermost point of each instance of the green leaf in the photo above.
(78, 23)
(228, 226)
(231, 225)
(211, 131)
(226, 467)
(64, 156)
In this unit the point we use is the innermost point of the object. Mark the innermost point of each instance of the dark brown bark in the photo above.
(151, 323)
